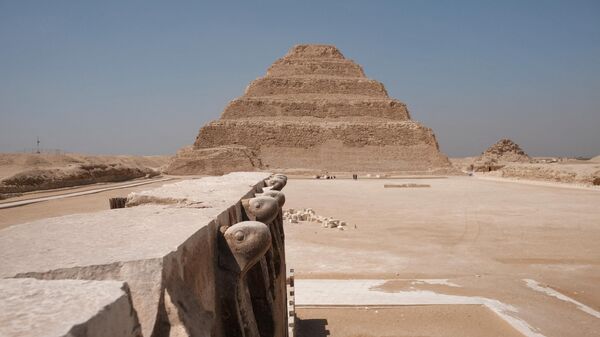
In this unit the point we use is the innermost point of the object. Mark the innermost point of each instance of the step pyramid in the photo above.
(314, 111)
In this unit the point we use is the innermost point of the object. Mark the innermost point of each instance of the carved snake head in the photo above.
(277, 195)
(277, 182)
(248, 241)
(264, 209)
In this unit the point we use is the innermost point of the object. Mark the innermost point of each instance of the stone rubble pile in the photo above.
(308, 214)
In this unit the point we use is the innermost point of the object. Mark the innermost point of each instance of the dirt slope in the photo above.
(24, 172)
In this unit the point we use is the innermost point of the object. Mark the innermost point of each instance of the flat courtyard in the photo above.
(462, 257)
(530, 252)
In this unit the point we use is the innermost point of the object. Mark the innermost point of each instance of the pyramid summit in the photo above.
(314, 110)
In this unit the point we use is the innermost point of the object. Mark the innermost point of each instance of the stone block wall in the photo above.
(202, 257)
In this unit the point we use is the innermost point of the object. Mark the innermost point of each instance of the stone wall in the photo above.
(202, 257)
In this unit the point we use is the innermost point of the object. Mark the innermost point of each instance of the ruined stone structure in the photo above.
(505, 150)
(202, 257)
(314, 110)
(497, 155)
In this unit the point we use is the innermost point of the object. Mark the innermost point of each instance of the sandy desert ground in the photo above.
(464, 236)
(530, 248)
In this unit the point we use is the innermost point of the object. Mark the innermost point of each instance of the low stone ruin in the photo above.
(201, 257)
(308, 215)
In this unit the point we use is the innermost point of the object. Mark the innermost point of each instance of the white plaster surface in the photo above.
(533, 284)
(192, 193)
(436, 281)
(100, 238)
(34, 308)
(364, 292)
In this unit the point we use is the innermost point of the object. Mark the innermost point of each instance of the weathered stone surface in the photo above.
(214, 161)
(312, 85)
(209, 192)
(498, 155)
(315, 105)
(505, 150)
(33, 308)
(165, 249)
(314, 110)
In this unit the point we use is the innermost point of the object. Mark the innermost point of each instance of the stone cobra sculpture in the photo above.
(276, 182)
(279, 265)
(263, 208)
(280, 198)
(270, 273)
(245, 243)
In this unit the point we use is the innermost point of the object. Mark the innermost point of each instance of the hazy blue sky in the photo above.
(141, 77)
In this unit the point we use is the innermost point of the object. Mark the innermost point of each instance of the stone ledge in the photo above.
(165, 249)
(32, 308)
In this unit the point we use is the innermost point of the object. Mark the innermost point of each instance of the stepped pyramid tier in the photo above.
(314, 111)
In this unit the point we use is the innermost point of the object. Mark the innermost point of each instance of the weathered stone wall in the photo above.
(258, 134)
(315, 106)
(196, 256)
(308, 85)
(334, 146)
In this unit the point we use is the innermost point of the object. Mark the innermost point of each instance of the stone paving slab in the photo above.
(33, 308)
(364, 292)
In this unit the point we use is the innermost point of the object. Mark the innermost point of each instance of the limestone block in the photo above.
(32, 308)
(165, 249)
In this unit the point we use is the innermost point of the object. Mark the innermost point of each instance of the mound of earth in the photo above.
(498, 155)
(23, 172)
(586, 174)
(314, 111)
(595, 159)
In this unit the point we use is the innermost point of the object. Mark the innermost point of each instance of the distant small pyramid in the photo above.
(505, 150)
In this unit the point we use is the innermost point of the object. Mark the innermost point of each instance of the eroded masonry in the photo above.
(321, 111)
(202, 257)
